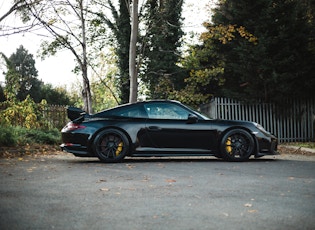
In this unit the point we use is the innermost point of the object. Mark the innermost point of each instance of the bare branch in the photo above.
(18, 5)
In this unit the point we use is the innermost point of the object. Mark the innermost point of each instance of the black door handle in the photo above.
(154, 128)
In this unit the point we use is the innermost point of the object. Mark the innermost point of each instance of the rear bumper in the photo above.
(76, 149)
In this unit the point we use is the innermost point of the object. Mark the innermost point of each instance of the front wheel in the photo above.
(237, 145)
(111, 145)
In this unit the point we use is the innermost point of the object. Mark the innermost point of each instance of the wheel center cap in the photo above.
(110, 144)
(238, 144)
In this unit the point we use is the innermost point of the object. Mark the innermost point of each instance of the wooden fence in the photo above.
(292, 122)
(51, 116)
(55, 116)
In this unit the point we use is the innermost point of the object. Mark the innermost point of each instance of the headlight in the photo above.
(262, 129)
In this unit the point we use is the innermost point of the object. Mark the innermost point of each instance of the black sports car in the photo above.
(162, 128)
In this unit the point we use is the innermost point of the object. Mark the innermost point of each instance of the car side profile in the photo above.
(162, 128)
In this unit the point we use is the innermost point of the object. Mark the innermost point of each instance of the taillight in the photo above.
(72, 126)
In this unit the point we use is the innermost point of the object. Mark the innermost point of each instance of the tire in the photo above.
(111, 146)
(237, 145)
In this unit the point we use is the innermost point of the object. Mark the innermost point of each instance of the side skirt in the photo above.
(167, 152)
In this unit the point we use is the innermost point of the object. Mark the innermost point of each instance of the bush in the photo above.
(7, 136)
(22, 113)
(12, 136)
(29, 136)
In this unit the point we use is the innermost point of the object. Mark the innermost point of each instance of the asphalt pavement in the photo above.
(64, 192)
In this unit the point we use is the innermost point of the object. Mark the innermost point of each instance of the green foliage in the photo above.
(55, 95)
(160, 47)
(271, 56)
(7, 136)
(23, 123)
(21, 81)
(121, 30)
(2, 96)
(24, 113)
(38, 136)
(254, 50)
(21, 76)
(16, 135)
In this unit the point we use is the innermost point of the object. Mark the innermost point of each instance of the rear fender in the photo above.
(91, 140)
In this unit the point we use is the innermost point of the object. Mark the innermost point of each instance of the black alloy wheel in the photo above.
(111, 145)
(237, 145)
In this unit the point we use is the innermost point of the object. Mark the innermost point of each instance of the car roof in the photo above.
(111, 112)
(141, 102)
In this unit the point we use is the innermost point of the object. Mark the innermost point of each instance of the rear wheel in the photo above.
(237, 145)
(111, 145)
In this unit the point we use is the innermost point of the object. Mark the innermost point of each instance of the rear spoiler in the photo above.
(75, 114)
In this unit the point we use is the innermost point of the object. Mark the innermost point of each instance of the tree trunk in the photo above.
(87, 96)
(132, 53)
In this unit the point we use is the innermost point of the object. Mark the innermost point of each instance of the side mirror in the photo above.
(192, 119)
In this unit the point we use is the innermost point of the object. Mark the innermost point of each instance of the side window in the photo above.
(162, 110)
(137, 112)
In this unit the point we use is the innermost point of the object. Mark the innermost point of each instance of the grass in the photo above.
(310, 145)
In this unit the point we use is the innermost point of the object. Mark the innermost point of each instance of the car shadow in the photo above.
(139, 160)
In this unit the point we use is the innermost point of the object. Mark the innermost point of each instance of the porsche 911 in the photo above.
(162, 128)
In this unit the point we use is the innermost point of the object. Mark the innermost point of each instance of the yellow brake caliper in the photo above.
(228, 146)
(119, 148)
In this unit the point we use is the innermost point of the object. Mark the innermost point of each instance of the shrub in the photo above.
(22, 113)
(29, 136)
(7, 136)
(11, 136)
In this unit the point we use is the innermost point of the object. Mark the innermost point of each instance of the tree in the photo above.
(21, 81)
(21, 76)
(161, 41)
(54, 95)
(253, 50)
(66, 24)
(205, 75)
(2, 96)
(9, 29)
(279, 62)
(133, 71)
(119, 24)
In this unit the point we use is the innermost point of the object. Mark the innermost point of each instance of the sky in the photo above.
(57, 70)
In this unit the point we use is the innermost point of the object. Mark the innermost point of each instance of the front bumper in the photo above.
(267, 146)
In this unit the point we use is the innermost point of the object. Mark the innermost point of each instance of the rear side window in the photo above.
(131, 111)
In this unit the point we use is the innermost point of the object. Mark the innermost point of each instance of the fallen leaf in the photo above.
(161, 165)
(170, 180)
(146, 179)
(252, 211)
(130, 166)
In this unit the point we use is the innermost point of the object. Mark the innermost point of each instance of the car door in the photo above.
(173, 128)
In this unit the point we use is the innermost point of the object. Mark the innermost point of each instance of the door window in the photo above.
(166, 111)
